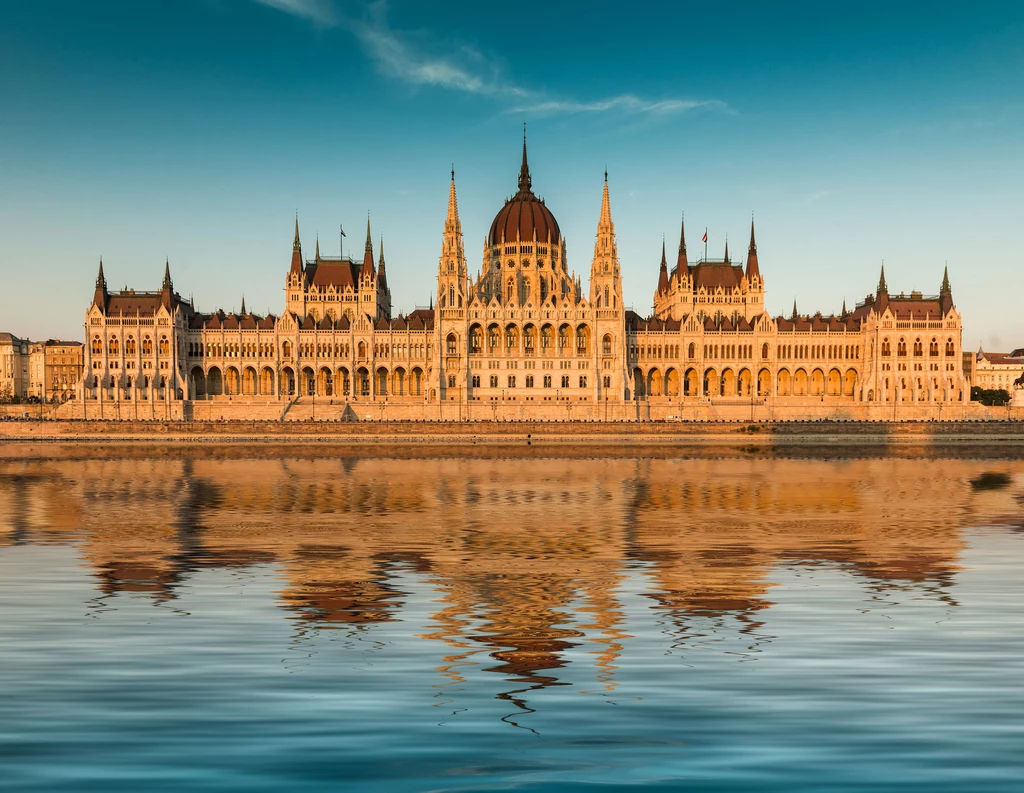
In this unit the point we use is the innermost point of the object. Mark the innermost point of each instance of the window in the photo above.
(476, 381)
(565, 381)
(113, 347)
(494, 381)
(451, 381)
(583, 381)
(510, 287)
(606, 345)
(129, 346)
(165, 347)
(547, 381)
(607, 381)
(901, 347)
(493, 339)
(97, 345)
(476, 339)
(563, 337)
(529, 381)
(453, 344)
(147, 346)
(511, 381)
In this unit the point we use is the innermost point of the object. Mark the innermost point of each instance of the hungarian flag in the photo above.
(705, 238)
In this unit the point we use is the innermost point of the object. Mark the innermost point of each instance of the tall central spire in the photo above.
(525, 183)
(452, 222)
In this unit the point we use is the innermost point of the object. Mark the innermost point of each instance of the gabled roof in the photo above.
(711, 275)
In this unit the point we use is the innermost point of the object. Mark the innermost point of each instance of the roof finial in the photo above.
(525, 183)
(606, 173)
(945, 289)
(726, 247)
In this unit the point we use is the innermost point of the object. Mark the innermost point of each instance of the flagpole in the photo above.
(705, 243)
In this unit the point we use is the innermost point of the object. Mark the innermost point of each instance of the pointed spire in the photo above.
(101, 281)
(945, 293)
(296, 248)
(682, 265)
(663, 271)
(525, 183)
(844, 308)
(167, 286)
(243, 306)
(316, 256)
(727, 248)
(452, 223)
(883, 288)
(368, 251)
(606, 206)
(752, 266)
(795, 315)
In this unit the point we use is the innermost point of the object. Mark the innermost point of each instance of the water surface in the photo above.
(262, 621)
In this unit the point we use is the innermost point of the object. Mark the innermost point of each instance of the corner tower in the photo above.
(606, 300)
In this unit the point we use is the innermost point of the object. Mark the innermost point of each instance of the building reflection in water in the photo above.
(527, 557)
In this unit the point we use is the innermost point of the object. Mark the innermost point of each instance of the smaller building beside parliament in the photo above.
(526, 338)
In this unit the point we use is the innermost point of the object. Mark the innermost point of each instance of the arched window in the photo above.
(691, 351)
(362, 350)
(950, 348)
(453, 344)
(165, 347)
(918, 348)
(933, 348)
(451, 295)
(606, 344)
(113, 347)
(476, 339)
(286, 349)
(901, 347)
(97, 345)
(563, 337)
(147, 345)
(129, 346)
(764, 351)
(886, 349)
(510, 289)
(493, 339)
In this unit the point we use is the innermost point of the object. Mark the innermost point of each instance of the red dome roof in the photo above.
(524, 214)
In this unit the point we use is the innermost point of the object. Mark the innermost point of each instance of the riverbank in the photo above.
(555, 434)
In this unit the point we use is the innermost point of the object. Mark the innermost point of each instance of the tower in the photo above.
(606, 299)
(450, 308)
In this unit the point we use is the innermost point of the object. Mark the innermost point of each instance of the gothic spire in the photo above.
(368, 252)
(663, 271)
(452, 222)
(167, 286)
(752, 268)
(381, 273)
(795, 315)
(606, 206)
(844, 308)
(525, 183)
(243, 306)
(945, 293)
(682, 265)
(296, 249)
(316, 256)
(101, 281)
(726, 249)
(883, 288)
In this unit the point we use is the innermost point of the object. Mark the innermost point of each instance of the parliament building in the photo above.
(525, 338)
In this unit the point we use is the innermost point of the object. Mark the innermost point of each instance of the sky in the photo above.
(194, 130)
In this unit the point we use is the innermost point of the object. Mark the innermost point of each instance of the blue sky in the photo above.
(194, 129)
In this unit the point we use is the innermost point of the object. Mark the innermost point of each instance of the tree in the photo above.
(993, 397)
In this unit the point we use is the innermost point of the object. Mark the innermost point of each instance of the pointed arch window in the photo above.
(510, 289)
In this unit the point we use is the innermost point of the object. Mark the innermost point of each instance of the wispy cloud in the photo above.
(398, 55)
(322, 12)
(624, 102)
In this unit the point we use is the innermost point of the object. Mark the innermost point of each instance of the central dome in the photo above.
(524, 214)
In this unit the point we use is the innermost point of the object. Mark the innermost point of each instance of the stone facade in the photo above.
(997, 369)
(524, 339)
(14, 367)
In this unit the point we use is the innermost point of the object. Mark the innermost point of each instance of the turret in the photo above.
(682, 265)
(382, 278)
(882, 293)
(753, 271)
(945, 293)
(663, 272)
(367, 271)
(167, 288)
(100, 295)
(296, 267)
